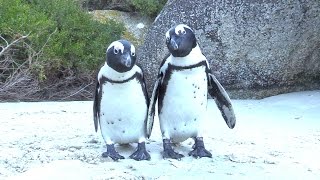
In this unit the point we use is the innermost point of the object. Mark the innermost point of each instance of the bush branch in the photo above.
(4, 48)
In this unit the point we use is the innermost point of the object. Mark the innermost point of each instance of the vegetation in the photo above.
(48, 45)
(51, 50)
(149, 7)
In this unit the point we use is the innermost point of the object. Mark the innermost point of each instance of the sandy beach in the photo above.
(274, 138)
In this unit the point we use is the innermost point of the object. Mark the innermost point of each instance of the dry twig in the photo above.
(18, 83)
(5, 48)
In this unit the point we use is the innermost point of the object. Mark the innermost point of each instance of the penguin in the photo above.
(121, 101)
(181, 92)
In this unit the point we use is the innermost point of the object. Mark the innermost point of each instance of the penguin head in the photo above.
(180, 40)
(121, 56)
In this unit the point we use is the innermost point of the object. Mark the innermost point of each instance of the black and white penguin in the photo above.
(181, 89)
(121, 101)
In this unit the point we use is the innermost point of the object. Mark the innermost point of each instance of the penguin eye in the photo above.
(182, 32)
(115, 51)
(133, 54)
(167, 39)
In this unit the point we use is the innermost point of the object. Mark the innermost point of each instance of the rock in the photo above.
(255, 48)
(136, 25)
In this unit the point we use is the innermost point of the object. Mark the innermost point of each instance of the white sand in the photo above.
(274, 138)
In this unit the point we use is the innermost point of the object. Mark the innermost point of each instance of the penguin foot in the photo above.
(141, 153)
(112, 153)
(168, 152)
(199, 150)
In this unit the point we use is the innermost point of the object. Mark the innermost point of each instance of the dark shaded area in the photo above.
(25, 87)
(120, 5)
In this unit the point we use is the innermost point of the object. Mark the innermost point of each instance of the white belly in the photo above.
(123, 112)
(184, 104)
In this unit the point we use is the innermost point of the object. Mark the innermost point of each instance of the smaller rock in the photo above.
(140, 25)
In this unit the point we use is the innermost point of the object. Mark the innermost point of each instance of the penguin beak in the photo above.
(174, 45)
(126, 60)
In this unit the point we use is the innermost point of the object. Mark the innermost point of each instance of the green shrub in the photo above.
(62, 35)
(149, 7)
(19, 19)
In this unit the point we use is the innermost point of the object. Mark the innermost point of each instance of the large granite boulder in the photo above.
(255, 48)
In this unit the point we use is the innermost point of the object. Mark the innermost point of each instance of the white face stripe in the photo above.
(180, 28)
(132, 49)
(167, 35)
(117, 45)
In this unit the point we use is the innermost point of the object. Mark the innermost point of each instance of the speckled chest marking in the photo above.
(183, 102)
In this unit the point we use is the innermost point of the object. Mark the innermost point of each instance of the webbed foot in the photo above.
(141, 153)
(199, 150)
(112, 153)
(168, 152)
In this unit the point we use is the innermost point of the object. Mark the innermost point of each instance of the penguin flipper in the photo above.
(152, 106)
(222, 100)
(96, 107)
(143, 85)
(145, 92)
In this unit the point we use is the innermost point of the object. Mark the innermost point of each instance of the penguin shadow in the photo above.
(126, 148)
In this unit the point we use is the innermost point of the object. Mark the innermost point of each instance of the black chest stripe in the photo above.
(179, 68)
(136, 76)
(104, 79)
